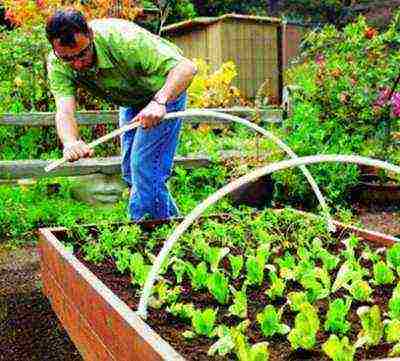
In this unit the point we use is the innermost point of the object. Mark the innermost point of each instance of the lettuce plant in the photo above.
(181, 310)
(255, 271)
(336, 317)
(339, 350)
(203, 322)
(360, 290)
(239, 306)
(139, 269)
(277, 286)
(215, 255)
(317, 284)
(236, 263)
(198, 275)
(245, 352)
(394, 304)
(296, 299)
(372, 326)
(393, 256)
(218, 286)
(287, 264)
(303, 335)
(122, 259)
(383, 275)
(270, 324)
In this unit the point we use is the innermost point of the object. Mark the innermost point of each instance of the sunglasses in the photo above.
(81, 55)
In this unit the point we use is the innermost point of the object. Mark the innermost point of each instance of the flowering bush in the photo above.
(348, 74)
(28, 13)
(341, 105)
(214, 89)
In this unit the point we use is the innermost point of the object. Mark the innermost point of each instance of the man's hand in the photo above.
(152, 114)
(75, 150)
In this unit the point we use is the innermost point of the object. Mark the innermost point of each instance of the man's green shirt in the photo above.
(132, 65)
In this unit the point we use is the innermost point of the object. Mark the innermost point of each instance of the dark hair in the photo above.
(64, 24)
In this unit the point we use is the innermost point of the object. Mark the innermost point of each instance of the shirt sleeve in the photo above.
(60, 79)
(150, 54)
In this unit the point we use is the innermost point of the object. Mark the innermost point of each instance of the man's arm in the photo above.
(178, 80)
(68, 132)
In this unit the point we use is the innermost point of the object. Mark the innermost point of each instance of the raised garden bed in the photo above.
(97, 313)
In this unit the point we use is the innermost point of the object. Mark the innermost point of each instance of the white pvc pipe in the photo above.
(259, 172)
(227, 117)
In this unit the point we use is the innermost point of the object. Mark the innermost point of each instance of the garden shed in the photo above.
(254, 43)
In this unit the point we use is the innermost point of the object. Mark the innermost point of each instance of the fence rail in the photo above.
(271, 115)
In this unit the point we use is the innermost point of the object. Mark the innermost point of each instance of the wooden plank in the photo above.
(18, 169)
(11, 170)
(125, 335)
(103, 117)
(84, 337)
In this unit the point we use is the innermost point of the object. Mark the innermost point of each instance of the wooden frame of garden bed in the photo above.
(100, 324)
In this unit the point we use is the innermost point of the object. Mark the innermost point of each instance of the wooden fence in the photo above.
(19, 169)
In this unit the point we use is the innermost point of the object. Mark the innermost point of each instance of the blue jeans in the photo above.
(147, 160)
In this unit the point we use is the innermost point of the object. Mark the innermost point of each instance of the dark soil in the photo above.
(29, 329)
(171, 328)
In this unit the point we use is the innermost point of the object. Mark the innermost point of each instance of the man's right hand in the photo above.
(75, 150)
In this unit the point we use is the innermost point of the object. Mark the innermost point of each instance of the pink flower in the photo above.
(320, 59)
(383, 97)
(396, 105)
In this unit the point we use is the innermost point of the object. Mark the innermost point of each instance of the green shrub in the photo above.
(339, 105)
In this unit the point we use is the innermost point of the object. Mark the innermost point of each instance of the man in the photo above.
(143, 74)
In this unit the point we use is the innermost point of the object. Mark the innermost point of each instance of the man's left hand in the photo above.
(151, 115)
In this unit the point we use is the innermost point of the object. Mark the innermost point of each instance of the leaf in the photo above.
(239, 307)
(296, 299)
(393, 255)
(269, 321)
(236, 263)
(372, 326)
(339, 350)
(218, 285)
(336, 316)
(303, 335)
(203, 321)
(360, 290)
(215, 256)
(277, 287)
(255, 271)
(383, 275)
(222, 347)
(392, 331)
(198, 275)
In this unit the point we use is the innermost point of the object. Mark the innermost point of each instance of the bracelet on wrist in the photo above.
(158, 102)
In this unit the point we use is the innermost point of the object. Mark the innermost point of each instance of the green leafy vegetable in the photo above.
(270, 324)
(198, 275)
(383, 275)
(218, 285)
(296, 299)
(336, 317)
(277, 287)
(372, 326)
(303, 335)
(339, 350)
(236, 263)
(239, 306)
(203, 321)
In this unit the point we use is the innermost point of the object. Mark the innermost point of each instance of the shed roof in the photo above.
(202, 22)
